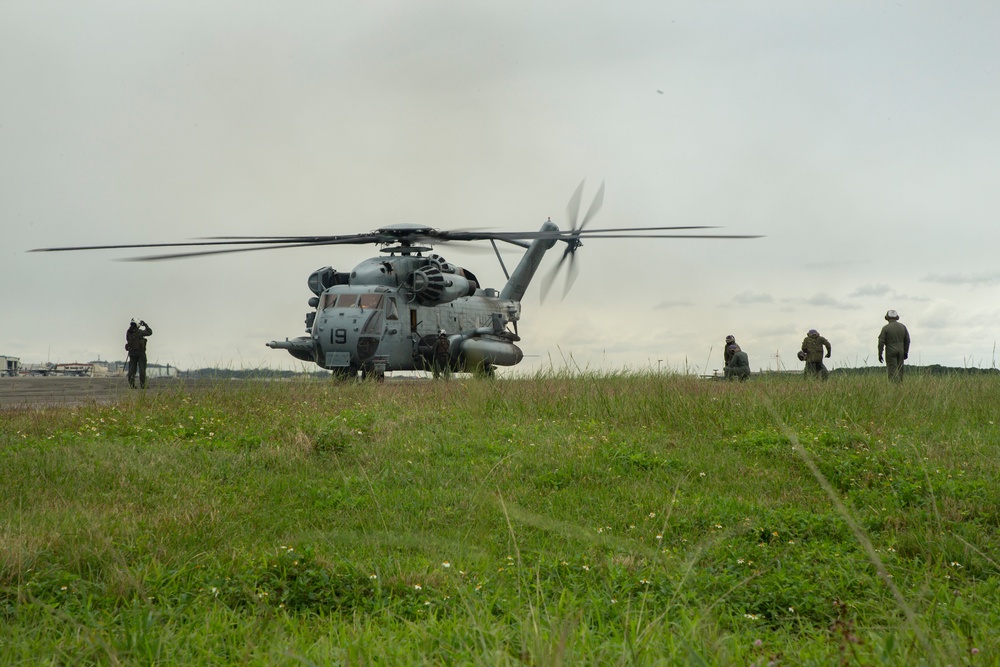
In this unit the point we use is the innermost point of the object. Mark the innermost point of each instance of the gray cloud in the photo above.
(883, 290)
(909, 297)
(746, 298)
(826, 301)
(663, 305)
(336, 118)
(880, 289)
(833, 265)
(982, 279)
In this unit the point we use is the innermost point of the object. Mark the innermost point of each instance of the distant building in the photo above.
(158, 371)
(74, 369)
(36, 369)
(10, 366)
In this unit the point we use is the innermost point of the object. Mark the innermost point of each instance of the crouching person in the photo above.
(738, 366)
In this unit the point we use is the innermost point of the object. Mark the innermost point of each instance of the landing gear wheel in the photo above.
(486, 371)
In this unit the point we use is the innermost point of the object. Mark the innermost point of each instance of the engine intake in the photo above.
(426, 283)
(322, 279)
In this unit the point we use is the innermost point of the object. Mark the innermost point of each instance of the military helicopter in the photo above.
(386, 313)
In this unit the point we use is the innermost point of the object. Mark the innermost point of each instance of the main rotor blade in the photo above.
(226, 251)
(291, 241)
(594, 234)
(558, 234)
(676, 236)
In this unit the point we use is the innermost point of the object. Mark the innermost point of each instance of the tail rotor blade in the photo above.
(573, 207)
(550, 278)
(572, 271)
(572, 238)
(595, 206)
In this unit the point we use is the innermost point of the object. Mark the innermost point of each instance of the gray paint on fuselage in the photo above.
(337, 329)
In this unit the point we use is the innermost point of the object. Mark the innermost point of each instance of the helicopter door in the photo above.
(395, 343)
(373, 329)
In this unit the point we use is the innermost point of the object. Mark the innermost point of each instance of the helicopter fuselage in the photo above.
(381, 328)
(387, 312)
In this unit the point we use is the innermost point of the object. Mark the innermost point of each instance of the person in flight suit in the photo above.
(135, 345)
(812, 346)
(727, 354)
(894, 339)
(738, 366)
(442, 355)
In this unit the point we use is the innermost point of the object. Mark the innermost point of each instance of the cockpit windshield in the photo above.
(340, 300)
(369, 301)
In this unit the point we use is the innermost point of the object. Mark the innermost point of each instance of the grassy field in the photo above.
(597, 519)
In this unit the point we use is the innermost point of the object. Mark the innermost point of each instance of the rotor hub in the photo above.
(404, 249)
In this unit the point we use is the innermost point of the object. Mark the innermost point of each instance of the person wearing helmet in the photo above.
(726, 353)
(738, 366)
(442, 355)
(812, 346)
(894, 339)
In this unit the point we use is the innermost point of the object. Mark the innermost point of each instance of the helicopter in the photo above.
(387, 312)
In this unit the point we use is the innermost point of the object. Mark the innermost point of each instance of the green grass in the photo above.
(595, 519)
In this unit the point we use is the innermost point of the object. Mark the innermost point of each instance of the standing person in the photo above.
(812, 347)
(727, 353)
(895, 340)
(441, 355)
(135, 345)
(738, 366)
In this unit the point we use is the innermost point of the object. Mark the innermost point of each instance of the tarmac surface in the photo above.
(45, 392)
(49, 392)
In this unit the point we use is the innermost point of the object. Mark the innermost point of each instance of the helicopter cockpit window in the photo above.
(347, 300)
(369, 301)
(391, 313)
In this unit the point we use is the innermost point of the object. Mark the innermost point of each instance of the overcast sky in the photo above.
(862, 138)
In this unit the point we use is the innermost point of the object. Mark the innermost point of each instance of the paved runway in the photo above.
(41, 392)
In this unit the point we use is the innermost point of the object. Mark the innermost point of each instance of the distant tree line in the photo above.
(933, 369)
